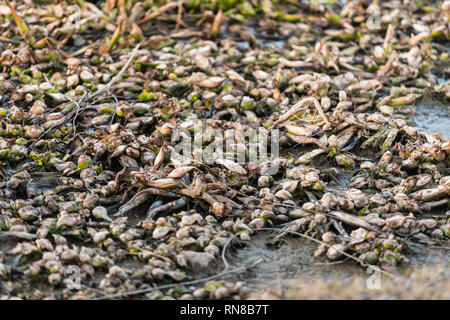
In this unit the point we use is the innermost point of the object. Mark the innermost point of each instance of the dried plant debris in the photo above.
(98, 98)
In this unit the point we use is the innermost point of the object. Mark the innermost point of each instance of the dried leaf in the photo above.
(22, 25)
(232, 166)
(180, 172)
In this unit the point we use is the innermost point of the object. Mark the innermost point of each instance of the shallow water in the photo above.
(290, 263)
(284, 262)
(432, 118)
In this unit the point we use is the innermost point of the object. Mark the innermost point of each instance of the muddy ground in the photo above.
(96, 96)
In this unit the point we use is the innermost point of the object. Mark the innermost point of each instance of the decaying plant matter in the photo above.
(92, 97)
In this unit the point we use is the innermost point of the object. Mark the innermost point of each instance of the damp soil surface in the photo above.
(286, 269)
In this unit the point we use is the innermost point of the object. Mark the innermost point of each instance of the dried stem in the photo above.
(21, 24)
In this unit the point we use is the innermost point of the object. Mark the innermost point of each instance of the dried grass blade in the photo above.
(21, 24)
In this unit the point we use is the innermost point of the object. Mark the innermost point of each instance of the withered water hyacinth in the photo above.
(94, 100)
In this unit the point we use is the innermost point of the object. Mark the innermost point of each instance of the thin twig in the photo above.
(116, 103)
(180, 12)
(76, 114)
(3, 39)
(320, 110)
(117, 76)
(84, 100)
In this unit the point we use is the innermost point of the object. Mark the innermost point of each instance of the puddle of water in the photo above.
(283, 263)
(432, 118)
(263, 39)
(243, 45)
(341, 179)
(265, 43)
(290, 265)
(430, 257)
(442, 80)
(278, 44)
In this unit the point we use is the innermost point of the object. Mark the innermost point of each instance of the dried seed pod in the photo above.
(198, 260)
(202, 62)
(396, 221)
(221, 293)
(232, 166)
(357, 197)
(325, 102)
(428, 223)
(128, 162)
(263, 181)
(99, 149)
(165, 183)
(54, 279)
(180, 172)
(100, 236)
(333, 141)
(101, 262)
(444, 181)
(73, 80)
(345, 161)
(328, 237)
(261, 75)
(59, 240)
(101, 213)
(212, 249)
(84, 161)
(86, 76)
(335, 251)
(234, 76)
(299, 131)
(429, 194)
(307, 157)
(44, 244)
(28, 213)
(211, 82)
(217, 208)
(66, 220)
(358, 236)
(364, 85)
(290, 185)
(256, 223)
(68, 255)
(161, 231)
(183, 233)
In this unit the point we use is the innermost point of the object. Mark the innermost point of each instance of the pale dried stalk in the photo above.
(301, 107)
(166, 208)
(159, 11)
(320, 110)
(218, 20)
(352, 220)
(23, 28)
